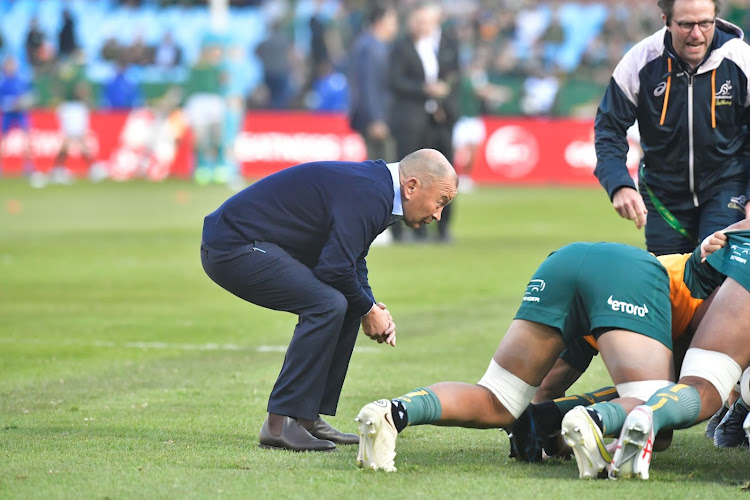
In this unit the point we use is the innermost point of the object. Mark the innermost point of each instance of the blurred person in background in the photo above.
(74, 95)
(122, 91)
(330, 90)
(139, 53)
(205, 109)
(234, 90)
(66, 40)
(275, 54)
(167, 54)
(476, 95)
(424, 80)
(35, 40)
(369, 95)
(687, 87)
(16, 98)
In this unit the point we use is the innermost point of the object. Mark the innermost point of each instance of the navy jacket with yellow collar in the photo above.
(693, 125)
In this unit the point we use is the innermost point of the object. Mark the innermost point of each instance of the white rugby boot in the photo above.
(632, 456)
(377, 436)
(580, 432)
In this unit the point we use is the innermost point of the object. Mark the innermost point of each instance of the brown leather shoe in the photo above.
(323, 430)
(293, 437)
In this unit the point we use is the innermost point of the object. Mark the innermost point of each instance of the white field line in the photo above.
(167, 345)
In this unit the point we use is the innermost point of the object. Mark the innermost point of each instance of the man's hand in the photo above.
(378, 131)
(712, 243)
(629, 204)
(378, 325)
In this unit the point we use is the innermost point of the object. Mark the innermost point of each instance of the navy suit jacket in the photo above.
(324, 214)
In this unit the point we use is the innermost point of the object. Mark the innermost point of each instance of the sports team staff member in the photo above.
(296, 241)
(688, 87)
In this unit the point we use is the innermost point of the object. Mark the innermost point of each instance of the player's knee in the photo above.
(512, 392)
(709, 372)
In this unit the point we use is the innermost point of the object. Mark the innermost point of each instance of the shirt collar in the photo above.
(398, 209)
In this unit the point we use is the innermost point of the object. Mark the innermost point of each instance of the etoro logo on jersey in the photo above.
(627, 307)
(534, 286)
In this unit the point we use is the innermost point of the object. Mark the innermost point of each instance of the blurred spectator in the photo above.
(75, 98)
(738, 13)
(16, 99)
(35, 40)
(318, 43)
(235, 94)
(424, 79)
(112, 50)
(330, 90)
(476, 95)
(539, 91)
(167, 54)
(369, 96)
(275, 53)
(505, 71)
(138, 52)
(66, 41)
(122, 92)
(205, 110)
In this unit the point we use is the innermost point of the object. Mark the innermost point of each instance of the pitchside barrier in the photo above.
(144, 144)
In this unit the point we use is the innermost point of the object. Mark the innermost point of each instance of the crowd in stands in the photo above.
(545, 57)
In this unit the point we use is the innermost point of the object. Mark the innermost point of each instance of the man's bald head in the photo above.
(429, 166)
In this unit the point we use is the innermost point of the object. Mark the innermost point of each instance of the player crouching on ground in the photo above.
(576, 291)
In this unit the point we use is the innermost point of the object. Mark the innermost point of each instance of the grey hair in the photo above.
(428, 165)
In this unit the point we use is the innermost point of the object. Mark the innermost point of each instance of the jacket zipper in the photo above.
(691, 155)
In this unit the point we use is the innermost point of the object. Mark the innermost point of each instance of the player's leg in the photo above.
(711, 367)
(630, 313)
(638, 365)
(526, 353)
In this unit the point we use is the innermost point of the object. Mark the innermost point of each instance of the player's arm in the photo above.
(718, 240)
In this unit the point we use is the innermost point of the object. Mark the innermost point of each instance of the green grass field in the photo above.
(126, 373)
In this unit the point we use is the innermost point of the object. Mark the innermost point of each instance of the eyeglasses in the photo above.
(687, 26)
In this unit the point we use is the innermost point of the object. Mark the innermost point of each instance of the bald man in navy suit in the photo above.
(296, 241)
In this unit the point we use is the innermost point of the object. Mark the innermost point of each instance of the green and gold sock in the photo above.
(567, 403)
(612, 417)
(418, 407)
(675, 406)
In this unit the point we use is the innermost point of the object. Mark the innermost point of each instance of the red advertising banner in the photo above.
(541, 151)
(270, 141)
(124, 145)
(144, 144)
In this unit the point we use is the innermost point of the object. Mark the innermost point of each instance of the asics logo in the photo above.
(659, 90)
(627, 307)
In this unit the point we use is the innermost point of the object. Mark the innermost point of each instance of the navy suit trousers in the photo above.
(318, 355)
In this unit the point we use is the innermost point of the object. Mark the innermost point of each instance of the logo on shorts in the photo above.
(740, 253)
(627, 307)
(534, 286)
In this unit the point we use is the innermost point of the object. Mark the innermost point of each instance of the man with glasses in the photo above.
(688, 88)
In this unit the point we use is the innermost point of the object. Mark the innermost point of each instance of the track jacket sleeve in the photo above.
(614, 117)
